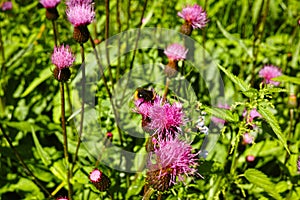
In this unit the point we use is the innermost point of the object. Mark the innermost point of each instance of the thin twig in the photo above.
(106, 41)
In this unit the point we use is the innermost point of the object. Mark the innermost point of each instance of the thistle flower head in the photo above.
(7, 5)
(62, 198)
(49, 3)
(176, 52)
(81, 15)
(268, 72)
(166, 118)
(71, 3)
(194, 15)
(171, 159)
(99, 180)
(62, 57)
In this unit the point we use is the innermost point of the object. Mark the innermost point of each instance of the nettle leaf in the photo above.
(285, 78)
(222, 113)
(270, 118)
(239, 82)
(261, 180)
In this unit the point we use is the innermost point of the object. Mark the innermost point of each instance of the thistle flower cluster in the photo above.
(170, 158)
(7, 5)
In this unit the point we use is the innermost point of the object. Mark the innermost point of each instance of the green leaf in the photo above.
(231, 37)
(46, 159)
(222, 113)
(285, 78)
(261, 180)
(239, 82)
(270, 118)
(22, 126)
(44, 75)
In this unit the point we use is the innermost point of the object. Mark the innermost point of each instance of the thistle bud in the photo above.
(99, 180)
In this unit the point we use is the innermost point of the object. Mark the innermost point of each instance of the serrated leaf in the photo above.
(261, 180)
(46, 159)
(251, 93)
(285, 78)
(221, 113)
(239, 82)
(269, 117)
(44, 75)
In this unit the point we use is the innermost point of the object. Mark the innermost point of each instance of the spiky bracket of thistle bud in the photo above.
(99, 180)
(51, 10)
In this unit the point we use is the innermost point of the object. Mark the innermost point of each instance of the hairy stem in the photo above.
(63, 125)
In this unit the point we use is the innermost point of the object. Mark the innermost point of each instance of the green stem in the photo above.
(82, 105)
(107, 89)
(63, 124)
(166, 90)
(106, 41)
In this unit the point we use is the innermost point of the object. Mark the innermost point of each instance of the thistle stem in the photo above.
(107, 88)
(166, 90)
(82, 104)
(63, 125)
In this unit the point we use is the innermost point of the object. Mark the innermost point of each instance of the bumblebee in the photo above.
(146, 95)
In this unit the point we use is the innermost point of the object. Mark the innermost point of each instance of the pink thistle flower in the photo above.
(166, 118)
(250, 158)
(62, 57)
(252, 114)
(172, 159)
(99, 180)
(6, 5)
(176, 52)
(71, 3)
(247, 138)
(81, 15)
(194, 15)
(62, 198)
(268, 72)
(49, 3)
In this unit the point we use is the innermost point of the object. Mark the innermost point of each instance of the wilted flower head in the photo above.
(176, 52)
(6, 5)
(194, 15)
(78, 2)
(49, 3)
(170, 159)
(252, 114)
(80, 15)
(99, 180)
(268, 72)
(62, 57)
